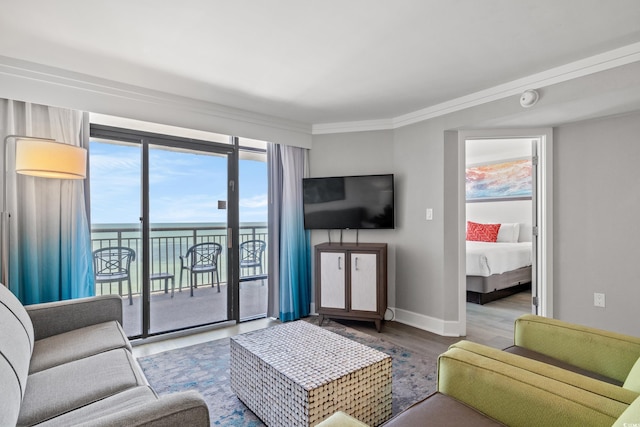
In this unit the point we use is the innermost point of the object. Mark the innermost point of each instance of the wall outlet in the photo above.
(598, 300)
(429, 214)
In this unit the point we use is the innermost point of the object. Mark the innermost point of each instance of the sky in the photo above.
(183, 187)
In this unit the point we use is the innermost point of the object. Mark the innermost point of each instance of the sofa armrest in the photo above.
(53, 318)
(179, 409)
(515, 396)
(606, 353)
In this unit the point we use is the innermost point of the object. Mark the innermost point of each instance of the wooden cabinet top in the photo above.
(350, 246)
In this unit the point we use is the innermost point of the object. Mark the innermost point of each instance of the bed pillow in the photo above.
(526, 233)
(508, 233)
(482, 232)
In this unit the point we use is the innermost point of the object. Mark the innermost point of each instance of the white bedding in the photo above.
(485, 259)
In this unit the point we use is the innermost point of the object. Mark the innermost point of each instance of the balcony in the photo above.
(180, 310)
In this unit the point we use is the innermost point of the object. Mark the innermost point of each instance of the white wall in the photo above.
(499, 212)
(597, 222)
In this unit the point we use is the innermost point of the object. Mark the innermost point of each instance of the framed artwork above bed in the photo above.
(499, 181)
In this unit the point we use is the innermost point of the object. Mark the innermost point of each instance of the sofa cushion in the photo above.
(16, 346)
(72, 385)
(77, 344)
(137, 407)
(127, 399)
(58, 317)
(530, 354)
(441, 410)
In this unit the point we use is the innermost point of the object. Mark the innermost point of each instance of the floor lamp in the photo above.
(44, 158)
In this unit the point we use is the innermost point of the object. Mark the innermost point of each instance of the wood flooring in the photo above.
(490, 324)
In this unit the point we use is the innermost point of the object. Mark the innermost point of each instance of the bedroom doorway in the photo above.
(507, 182)
(499, 215)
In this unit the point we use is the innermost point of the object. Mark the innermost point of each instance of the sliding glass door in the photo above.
(116, 233)
(184, 216)
(253, 236)
(188, 237)
(164, 209)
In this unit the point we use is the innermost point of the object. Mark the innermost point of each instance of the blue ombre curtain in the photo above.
(49, 237)
(289, 242)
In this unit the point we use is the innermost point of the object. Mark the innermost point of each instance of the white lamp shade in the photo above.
(50, 159)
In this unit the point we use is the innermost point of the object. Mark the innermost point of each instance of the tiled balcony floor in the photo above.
(206, 306)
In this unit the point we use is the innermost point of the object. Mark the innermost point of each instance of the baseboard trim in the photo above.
(430, 324)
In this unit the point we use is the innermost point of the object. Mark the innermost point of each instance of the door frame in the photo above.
(544, 215)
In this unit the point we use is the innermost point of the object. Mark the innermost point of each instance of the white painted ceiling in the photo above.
(315, 61)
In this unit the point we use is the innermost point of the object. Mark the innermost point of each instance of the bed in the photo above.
(497, 269)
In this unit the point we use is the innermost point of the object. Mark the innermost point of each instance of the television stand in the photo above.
(351, 281)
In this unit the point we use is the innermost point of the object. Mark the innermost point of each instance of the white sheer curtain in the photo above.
(49, 238)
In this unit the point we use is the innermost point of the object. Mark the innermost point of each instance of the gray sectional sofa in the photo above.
(70, 363)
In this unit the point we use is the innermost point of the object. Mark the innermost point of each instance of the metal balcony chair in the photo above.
(252, 256)
(113, 265)
(200, 258)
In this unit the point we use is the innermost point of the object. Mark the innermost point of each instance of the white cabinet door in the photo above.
(332, 278)
(364, 276)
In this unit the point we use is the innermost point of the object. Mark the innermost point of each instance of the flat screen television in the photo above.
(349, 202)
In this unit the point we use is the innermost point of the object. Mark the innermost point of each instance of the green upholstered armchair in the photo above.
(555, 374)
(516, 396)
(570, 375)
(484, 386)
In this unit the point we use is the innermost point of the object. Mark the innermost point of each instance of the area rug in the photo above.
(205, 368)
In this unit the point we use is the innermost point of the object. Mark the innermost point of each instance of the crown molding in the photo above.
(601, 62)
(360, 126)
(63, 78)
(35, 72)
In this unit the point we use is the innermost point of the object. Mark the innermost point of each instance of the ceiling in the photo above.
(315, 62)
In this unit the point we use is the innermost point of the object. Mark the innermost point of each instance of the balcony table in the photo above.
(165, 277)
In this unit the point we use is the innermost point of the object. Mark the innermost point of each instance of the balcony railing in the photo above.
(167, 243)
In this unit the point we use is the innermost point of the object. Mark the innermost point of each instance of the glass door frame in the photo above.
(145, 139)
